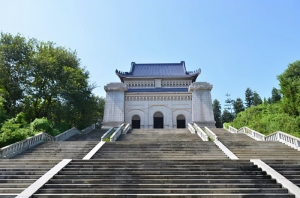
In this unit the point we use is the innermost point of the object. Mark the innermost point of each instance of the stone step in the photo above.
(29, 181)
(165, 186)
(160, 181)
(145, 172)
(187, 169)
(194, 195)
(11, 190)
(161, 190)
(161, 176)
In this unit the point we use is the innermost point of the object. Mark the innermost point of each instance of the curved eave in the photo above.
(121, 76)
(193, 76)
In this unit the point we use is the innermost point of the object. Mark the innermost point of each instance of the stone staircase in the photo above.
(75, 147)
(166, 144)
(171, 178)
(162, 163)
(244, 147)
(145, 163)
(17, 175)
(58, 150)
(290, 169)
(94, 135)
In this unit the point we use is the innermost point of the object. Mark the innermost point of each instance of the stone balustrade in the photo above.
(232, 129)
(107, 134)
(18, 147)
(276, 136)
(191, 128)
(252, 133)
(284, 138)
(67, 134)
(201, 133)
(117, 133)
(210, 133)
(88, 129)
(126, 129)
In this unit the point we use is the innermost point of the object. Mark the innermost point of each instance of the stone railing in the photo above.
(252, 133)
(67, 134)
(284, 138)
(18, 147)
(210, 133)
(118, 132)
(107, 134)
(191, 128)
(232, 129)
(88, 129)
(276, 136)
(200, 132)
(126, 129)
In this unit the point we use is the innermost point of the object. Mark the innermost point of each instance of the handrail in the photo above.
(117, 133)
(126, 129)
(104, 136)
(67, 134)
(231, 129)
(276, 136)
(284, 138)
(252, 133)
(201, 133)
(18, 147)
(191, 128)
(88, 129)
(210, 133)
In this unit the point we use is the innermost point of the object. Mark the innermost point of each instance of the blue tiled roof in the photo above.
(158, 90)
(158, 70)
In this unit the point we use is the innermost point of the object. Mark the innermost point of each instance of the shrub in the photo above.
(41, 125)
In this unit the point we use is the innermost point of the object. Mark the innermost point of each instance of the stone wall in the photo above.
(114, 104)
(202, 110)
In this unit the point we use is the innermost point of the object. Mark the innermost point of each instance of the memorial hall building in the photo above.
(158, 95)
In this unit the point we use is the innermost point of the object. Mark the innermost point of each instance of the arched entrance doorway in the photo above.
(180, 121)
(158, 120)
(136, 122)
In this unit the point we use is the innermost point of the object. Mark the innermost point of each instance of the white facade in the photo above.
(178, 101)
(171, 105)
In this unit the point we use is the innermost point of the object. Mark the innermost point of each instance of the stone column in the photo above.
(202, 110)
(114, 104)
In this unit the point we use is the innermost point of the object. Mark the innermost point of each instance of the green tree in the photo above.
(3, 115)
(289, 82)
(217, 113)
(269, 100)
(45, 81)
(228, 103)
(248, 97)
(276, 96)
(256, 99)
(15, 62)
(227, 116)
(238, 106)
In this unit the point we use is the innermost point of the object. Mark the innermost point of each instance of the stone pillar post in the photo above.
(114, 104)
(202, 110)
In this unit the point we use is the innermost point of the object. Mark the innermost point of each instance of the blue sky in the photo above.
(237, 44)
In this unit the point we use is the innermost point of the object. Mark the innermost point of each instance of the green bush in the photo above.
(41, 125)
(11, 134)
(268, 118)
